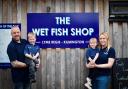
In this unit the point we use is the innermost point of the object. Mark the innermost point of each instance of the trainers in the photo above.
(87, 85)
(89, 81)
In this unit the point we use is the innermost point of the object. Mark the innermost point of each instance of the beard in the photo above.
(16, 38)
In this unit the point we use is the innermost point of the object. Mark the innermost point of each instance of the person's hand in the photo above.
(37, 65)
(34, 57)
(95, 65)
(93, 61)
(90, 65)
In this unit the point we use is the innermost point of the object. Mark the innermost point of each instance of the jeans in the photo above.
(22, 85)
(101, 82)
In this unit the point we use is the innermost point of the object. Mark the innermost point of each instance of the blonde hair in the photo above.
(94, 40)
(108, 39)
(31, 34)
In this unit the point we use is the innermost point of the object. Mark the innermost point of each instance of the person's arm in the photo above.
(18, 64)
(36, 56)
(89, 59)
(29, 56)
(38, 65)
(107, 65)
(88, 56)
(96, 57)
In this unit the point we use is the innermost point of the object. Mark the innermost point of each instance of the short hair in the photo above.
(15, 26)
(93, 39)
(31, 34)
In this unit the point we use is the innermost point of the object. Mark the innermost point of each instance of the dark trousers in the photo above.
(22, 85)
(32, 69)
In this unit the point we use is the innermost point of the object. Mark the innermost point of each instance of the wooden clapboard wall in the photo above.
(61, 68)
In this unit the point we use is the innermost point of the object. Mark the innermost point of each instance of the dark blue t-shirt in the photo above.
(91, 53)
(104, 55)
(15, 51)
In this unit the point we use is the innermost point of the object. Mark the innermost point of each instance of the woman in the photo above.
(103, 64)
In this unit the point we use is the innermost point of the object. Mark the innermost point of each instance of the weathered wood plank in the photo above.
(67, 5)
(19, 11)
(1, 80)
(48, 64)
(117, 33)
(106, 15)
(39, 73)
(34, 6)
(4, 11)
(67, 68)
(77, 68)
(101, 15)
(23, 18)
(44, 68)
(119, 37)
(96, 5)
(1, 11)
(9, 11)
(77, 6)
(111, 33)
(14, 11)
(73, 58)
(62, 58)
(62, 5)
(57, 6)
(43, 6)
(58, 69)
(89, 6)
(53, 69)
(82, 67)
(29, 6)
(5, 81)
(125, 39)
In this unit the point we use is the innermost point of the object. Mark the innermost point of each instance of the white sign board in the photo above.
(5, 38)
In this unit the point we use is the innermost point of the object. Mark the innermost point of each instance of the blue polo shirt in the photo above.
(31, 49)
(15, 51)
(104, 55)
(91, 53)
